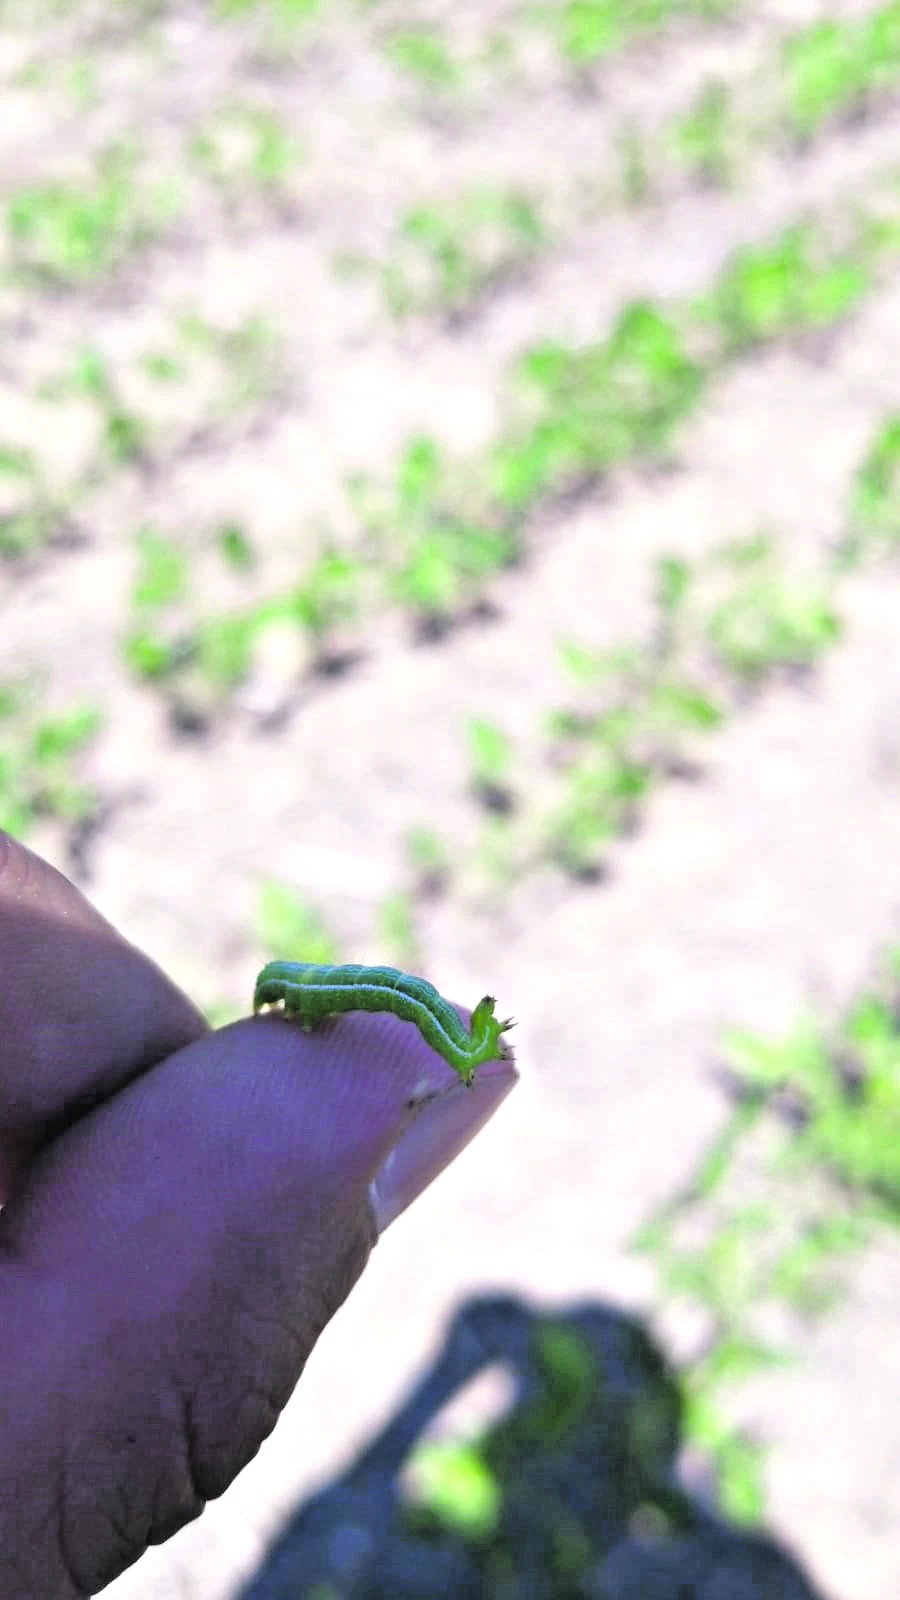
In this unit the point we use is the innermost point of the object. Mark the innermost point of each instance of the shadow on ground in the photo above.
(571, 1494)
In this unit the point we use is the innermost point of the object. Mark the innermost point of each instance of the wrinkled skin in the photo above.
(185, 1211)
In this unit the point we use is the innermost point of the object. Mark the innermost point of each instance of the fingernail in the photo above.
(441, 1129)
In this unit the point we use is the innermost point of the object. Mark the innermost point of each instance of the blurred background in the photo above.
(449, 516)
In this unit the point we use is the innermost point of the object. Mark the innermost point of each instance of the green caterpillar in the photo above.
(311, 993)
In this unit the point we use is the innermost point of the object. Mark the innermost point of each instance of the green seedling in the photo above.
(445, 258)
(123, 434)
(235, 547)
(823, 75)
(289, 928)
(29, 518)
(421, 54)
(419, 474)
(497, 52)
(879, 230)
(807, 1165)
(592, 671)
(674, 707)
(862, 1143)
(213, 656)
(197, 659)
(589, 667)
(793, 285)
(246, 147)
(606, 769)
(71, 232)
(803, 1277)
(161, 586)
(200, 658)
(82, 82)
(834, 68)
(162, 577)
(246, 354)
(146, 654)
(874, 517)
(428, 860)
(635, 162)
(703, 139)
(275, 151)
(444, 569)
(642, 692)
(490, 760)
(286, 15)
(588, 30)
(37, 757)
(54, 742)
(601, 793)
(673, 579)
(673, 585)
(434, 561)
(769, 620)
(723, 1275)
(598, 406)
(637, 707)
(880, 45)
(738, 1462)
(236, 370)
(162, 366)
(843, 1097)
(326, 597)
(638, 704)
(221, 650)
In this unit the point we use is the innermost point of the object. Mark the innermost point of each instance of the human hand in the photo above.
(185, 1211)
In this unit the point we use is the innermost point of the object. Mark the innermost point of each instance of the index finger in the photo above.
(82, 1011)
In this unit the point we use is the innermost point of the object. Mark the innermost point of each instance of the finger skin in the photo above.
(165, 1271)
(81, 1010)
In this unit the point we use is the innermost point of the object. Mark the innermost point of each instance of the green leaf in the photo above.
(17, 462)
(683, 704)
(162, 575)
(673, 579)
(223, 647)
(235, 546)
(55, 738)
(490, 751)
(148, 655)
(419, 472)
(421, 53)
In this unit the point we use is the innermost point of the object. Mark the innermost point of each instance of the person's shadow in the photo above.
(576, 1485)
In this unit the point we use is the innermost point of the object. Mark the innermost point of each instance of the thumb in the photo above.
(169, 1260)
